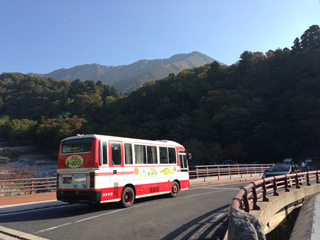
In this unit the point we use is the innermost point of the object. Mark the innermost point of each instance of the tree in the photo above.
(311, 38)
(296, 46)
(245, 62)
(99, 84)
(214, 73)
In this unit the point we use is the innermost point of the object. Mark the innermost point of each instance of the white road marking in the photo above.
(198, 194)
(48, 229)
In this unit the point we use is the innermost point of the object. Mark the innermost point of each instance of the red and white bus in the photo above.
(97, 169)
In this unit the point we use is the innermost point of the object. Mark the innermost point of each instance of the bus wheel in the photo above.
(127, 198)
(174, 189)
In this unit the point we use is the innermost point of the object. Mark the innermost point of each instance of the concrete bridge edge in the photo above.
(267, 214)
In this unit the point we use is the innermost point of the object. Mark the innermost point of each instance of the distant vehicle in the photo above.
(281, 169)
(288, 161)
(308, 161)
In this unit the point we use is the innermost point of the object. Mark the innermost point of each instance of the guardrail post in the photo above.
(308, 179)
(255, 197)
(265, 199)
(207, 171)
(197, 171)
(297, 181)
(245, 200)
(286, 184)
(275, 187)
(218, 172)
(317, 174)
(32, 186)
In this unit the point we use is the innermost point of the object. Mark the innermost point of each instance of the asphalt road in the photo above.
(198, 213)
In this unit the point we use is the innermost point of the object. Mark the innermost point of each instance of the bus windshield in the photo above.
(76, 145)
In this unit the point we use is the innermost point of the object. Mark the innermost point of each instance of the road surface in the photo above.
(197, 213)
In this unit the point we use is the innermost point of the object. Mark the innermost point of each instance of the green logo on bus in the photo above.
(74, 161)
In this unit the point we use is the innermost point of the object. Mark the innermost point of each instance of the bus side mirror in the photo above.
(189, 156)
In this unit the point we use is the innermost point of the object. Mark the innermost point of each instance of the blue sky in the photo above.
(41, 36)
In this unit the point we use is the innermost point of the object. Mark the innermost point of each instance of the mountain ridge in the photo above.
(127, 78)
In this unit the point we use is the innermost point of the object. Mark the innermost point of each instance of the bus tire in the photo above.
(174, 189)
(128, 196)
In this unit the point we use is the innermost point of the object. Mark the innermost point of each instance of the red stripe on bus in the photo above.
(141, 189)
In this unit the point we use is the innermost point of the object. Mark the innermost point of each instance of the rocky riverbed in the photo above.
(45, 165)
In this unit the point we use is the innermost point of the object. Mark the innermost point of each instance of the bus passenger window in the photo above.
(116, 154)
(104, 153)
(128, 153)
(172, 155)
(152, 154)
(140, 154)
(163, 155)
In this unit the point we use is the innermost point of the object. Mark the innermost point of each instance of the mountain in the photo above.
(127, 78)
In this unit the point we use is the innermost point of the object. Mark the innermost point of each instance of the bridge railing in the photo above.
(219, 171)
(16, 187)
(247, 197)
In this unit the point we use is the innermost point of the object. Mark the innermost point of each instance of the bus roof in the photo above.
(124, 139)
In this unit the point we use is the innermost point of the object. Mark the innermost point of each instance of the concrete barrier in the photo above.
(271, 206)
(273, 212)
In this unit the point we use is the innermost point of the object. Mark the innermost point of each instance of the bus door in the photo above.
(116, 166)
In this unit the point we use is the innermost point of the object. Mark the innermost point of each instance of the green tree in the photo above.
(311, 38)
(296, 46)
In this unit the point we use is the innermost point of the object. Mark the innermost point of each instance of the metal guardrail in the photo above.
(218, 171)
(16, 187)
(249, 194)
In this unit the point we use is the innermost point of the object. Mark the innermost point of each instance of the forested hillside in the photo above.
(264, 108)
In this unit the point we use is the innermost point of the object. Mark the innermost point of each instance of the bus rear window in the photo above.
(76, 145)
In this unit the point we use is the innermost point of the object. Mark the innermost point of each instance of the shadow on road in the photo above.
(212, 225)
(70, 210)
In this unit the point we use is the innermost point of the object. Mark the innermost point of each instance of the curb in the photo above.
(200, 184)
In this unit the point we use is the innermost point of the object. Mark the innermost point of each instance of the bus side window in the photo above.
(128, 153)
(104, 153)
(116, 154)
(140, 154)
(172, 155)
(152, 154)
(163, 155)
